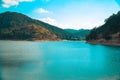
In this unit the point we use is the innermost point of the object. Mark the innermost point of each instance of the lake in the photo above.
(22, 60)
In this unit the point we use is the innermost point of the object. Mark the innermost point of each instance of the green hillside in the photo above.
(81, 33)
(18, 26)
(108, 32)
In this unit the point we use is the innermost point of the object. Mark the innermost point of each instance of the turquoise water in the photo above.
(58, 61)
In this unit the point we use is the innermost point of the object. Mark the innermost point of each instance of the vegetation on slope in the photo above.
(110, 31)
(81, 33)
(17, 26)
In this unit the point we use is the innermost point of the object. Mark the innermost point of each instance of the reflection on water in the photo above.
(58, 61)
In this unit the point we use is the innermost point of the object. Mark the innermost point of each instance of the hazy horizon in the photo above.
(73, 14)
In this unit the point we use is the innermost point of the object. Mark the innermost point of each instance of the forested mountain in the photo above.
(18, 26)
(108, 32)
(81, 33)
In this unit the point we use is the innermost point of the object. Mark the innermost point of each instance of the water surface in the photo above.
(58, 61)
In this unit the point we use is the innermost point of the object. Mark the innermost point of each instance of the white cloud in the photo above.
(9, 3)
(41, 10)
(54, 22)
(86, 25)
(49, 20)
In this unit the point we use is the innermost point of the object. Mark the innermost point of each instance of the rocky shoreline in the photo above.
(105, 42)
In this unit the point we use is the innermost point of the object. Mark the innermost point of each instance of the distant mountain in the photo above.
(81, 33)
(108, 33)
(17, 26)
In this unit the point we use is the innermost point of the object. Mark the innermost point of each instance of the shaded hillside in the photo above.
(108, 32)
(82, 33)
(17, 26)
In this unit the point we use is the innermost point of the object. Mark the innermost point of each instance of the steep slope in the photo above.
(81, 33)
(108, 33)
(17, 26)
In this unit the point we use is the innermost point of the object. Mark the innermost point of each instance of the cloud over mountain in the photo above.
(42, 10)
(49, 20)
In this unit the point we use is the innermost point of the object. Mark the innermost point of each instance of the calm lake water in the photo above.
(58, 61)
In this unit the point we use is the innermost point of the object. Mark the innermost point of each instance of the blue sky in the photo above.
(75, 14)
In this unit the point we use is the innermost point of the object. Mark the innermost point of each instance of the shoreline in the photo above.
(45, 40)
(95, 42)
(32, 40)
(107, 43)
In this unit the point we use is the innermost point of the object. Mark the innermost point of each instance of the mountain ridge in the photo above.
(81, 33)
(108, 33)
(14, 25)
